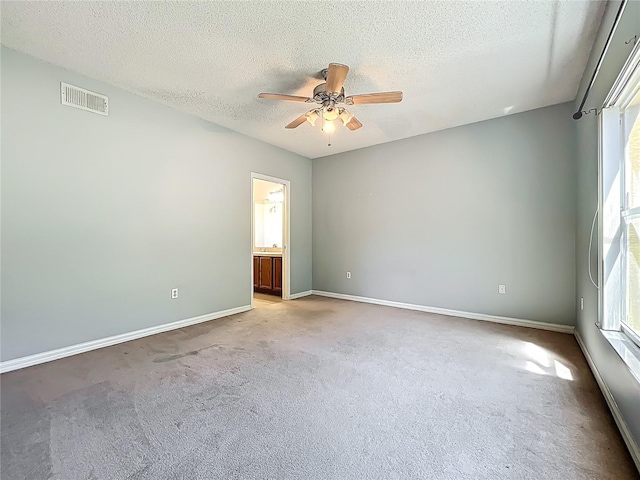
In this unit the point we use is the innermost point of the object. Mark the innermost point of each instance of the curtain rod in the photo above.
(580, 112)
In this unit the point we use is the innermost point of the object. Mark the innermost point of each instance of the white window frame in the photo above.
(633, 336)
(621, 95)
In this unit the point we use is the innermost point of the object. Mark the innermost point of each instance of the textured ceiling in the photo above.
(457, 62)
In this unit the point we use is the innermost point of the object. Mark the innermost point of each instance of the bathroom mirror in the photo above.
(268, 214)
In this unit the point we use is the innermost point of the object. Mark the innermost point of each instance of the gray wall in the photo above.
(102, 216)
(441, 219)
(623, 386)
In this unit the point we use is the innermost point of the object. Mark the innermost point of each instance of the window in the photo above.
(620, 204)
(630, 120)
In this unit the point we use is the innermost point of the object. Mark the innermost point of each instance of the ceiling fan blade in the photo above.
(336, 75)
(353, 124)
(369, 98)
(297, 122)
(277, 96)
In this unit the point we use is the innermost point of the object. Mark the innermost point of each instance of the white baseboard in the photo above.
(453, 313)
(300, 295)
(613, 406)
(44, 357)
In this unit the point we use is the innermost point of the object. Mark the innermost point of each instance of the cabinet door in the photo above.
(256, 271)
(265, 279)
(277, 274)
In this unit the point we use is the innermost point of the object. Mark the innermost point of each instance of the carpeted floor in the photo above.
(316, 389)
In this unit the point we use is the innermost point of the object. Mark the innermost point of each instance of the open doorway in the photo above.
(269, 240)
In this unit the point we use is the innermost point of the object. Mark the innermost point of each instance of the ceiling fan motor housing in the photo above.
(319, 90)
(321, 96)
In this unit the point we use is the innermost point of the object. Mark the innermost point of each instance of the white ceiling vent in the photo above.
(84, 99)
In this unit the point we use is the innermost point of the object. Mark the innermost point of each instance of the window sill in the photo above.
(628, 351)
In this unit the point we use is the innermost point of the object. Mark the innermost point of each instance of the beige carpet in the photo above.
(316, 389)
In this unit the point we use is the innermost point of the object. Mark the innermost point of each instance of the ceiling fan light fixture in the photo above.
(312, 116)
(329, 98)
(330, 113)
(345, 117)
(329, 127)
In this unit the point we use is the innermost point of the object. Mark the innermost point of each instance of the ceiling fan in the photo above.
(330, 97)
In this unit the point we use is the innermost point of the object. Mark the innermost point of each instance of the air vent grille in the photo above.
(84, 99)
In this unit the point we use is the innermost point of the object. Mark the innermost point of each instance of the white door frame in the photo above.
(286, 232)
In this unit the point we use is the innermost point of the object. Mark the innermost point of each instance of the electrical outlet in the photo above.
(502, 289)
(174, 293)
(581, 303)
(348, 274)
